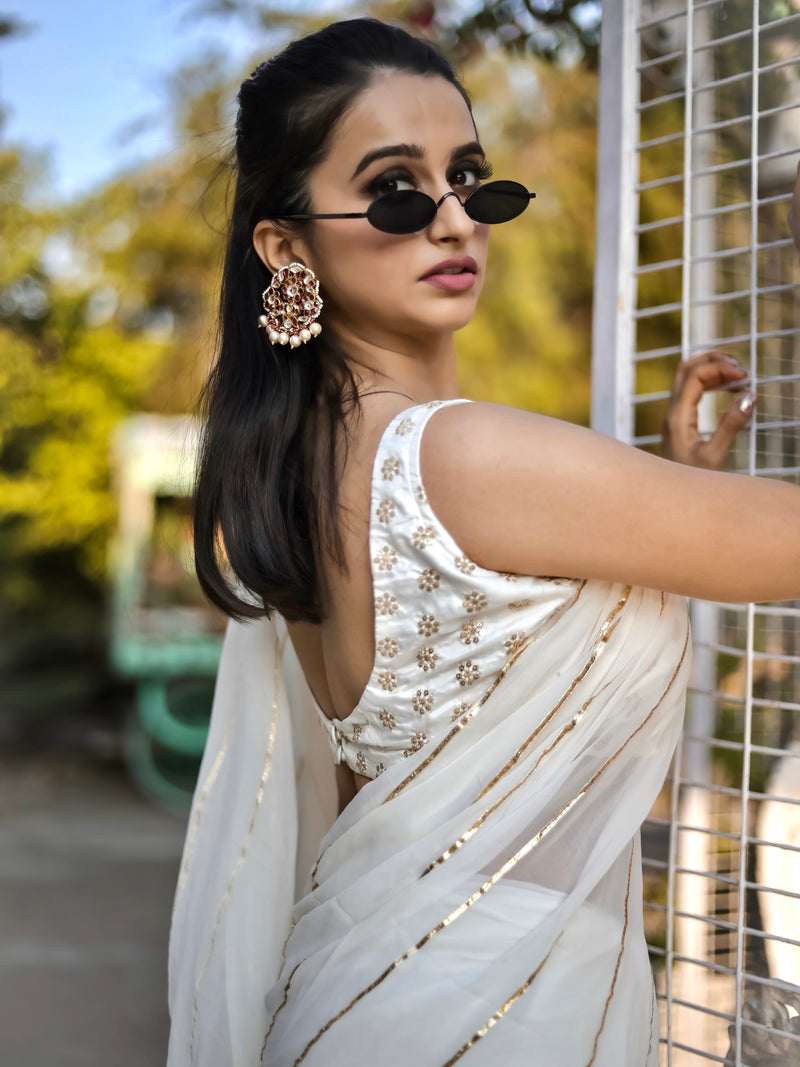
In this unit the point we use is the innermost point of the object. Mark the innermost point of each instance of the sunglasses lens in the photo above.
(497, 202)
(403, 211)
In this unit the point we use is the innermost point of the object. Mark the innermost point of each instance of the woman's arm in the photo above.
(533, 495)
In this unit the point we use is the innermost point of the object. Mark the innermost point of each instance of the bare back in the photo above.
(337, 654)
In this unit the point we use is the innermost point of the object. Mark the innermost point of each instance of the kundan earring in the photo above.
(291, 306)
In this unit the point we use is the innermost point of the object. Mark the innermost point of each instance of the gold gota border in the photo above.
(506, 867)
(498, 1015)
(278, 1009)
(245, 845)
(527, 848)
(616, 968)
(652, 1014)
(475, 707)
(606, 630)
(498, 803)
(462, 722)
(515, 996)
(201, 801)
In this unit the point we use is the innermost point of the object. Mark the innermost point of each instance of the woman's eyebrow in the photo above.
(415, 151)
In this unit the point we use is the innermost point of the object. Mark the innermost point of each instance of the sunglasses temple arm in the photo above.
(346, 215)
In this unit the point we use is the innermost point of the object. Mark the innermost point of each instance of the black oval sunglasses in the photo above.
(407, 211)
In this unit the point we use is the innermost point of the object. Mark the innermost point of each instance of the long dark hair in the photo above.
(266, 492)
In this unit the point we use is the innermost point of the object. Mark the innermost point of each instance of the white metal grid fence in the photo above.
(699, 143)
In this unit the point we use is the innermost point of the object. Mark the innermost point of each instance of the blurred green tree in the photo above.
(106, 308)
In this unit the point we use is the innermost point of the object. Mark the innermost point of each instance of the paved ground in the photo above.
(87, 873)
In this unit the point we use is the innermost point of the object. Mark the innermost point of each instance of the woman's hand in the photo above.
(794, 212)
(681, 440)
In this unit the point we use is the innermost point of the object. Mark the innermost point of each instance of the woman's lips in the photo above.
(454, 282)
(455, 275)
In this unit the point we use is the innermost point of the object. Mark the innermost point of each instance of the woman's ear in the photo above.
(276, 246)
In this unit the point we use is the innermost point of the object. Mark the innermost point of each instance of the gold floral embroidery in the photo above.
(468, 672)
(429, 580)
(379, 769)
(419, 739)
(423, 535)
(404, 427)
(471, 631)
(387, 680)
(514, 643)
(361, 763)
(459, 710)
(422, 701)
(390, 467)
(357, 728)
(420, 495)
(387, 603)
(387, 719)
(518, 605)
(475, 601)
(509, 577)
(465, 565)
(434, 404)
(388, 647)
(427, 626)
(386, 558)
(427, 658)
(387, 509)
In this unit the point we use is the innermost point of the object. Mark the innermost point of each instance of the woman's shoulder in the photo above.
(485, 438)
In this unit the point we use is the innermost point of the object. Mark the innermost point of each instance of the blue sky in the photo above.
(90, 67)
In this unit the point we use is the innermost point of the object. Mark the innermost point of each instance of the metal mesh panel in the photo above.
(699, 144)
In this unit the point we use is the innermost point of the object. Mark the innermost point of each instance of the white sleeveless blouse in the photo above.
(445, 628)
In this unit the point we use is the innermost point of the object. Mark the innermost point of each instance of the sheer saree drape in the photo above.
(480, 900)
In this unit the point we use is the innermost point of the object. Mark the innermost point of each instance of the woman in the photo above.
(498, 737)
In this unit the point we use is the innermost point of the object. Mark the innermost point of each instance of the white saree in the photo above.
(480, 899)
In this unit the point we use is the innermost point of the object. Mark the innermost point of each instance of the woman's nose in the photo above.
(451, 220)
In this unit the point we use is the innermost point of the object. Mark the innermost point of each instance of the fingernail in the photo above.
(747, 403)
(733, 360)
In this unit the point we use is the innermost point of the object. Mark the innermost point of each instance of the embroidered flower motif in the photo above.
(514, 643)
(404, 427)
(386, 558)
(390, 467)
(471, 631)
(427, 658)
(387, 603)
(388, 647)
(361, 763)
(509, 577)
(429, 580)
(387, 509)
(387, 680)
(379, 769)
(460, 710)
(465, 565)
(518, 605)
(434, 404)
(420, 495)
(468, 672)
(357, 731)
(419, 739)
(427, 626)
(475, 601)
(387, 719)
(423, 535)
(422, 701)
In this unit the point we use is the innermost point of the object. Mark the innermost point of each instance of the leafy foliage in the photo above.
(106, 308)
